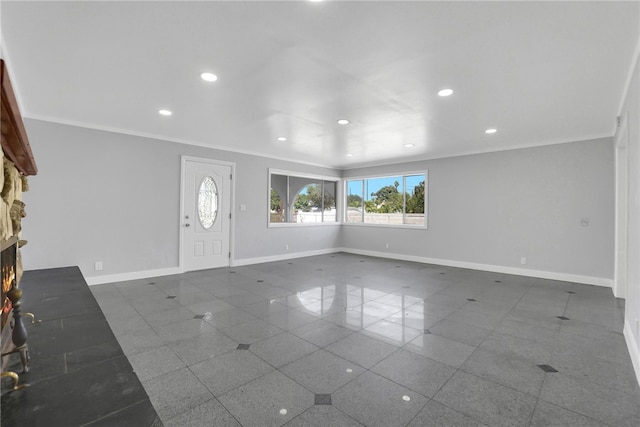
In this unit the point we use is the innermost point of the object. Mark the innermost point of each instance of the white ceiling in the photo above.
(539, 72)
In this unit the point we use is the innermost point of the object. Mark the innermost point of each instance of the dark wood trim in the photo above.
(15, 143)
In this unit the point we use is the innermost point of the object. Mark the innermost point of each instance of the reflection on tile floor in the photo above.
(347, 340)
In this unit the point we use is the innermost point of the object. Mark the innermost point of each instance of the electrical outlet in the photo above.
(584, 222)
(286, 247)
(98, 266)
(386, 246)
(243, 208)
(523, 260)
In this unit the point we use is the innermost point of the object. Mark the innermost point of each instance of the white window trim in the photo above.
(289, 173)
(304, 224)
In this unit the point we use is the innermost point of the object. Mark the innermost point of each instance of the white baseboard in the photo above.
(597, 281)
(283, 257)
(634, 350)
(135, 275)
(588, 280)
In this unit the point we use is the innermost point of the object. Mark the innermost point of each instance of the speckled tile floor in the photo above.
(347, 340)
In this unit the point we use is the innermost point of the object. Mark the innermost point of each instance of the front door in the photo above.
(206, 214)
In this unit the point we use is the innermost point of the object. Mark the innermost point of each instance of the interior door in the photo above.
(206, 214)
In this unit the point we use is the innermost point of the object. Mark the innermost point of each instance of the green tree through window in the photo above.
(415, 201)
(387, 200)
(354, 201)
(301, 199)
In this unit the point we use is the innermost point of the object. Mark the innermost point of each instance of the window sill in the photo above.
(302, 224)
(407, 226)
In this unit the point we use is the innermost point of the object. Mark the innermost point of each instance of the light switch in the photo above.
(243, 207)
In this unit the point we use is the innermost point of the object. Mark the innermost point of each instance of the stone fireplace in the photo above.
(16, 163)
(8, 264)
(14, 333)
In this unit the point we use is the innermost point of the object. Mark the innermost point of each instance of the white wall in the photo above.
(102, 196)
(631, 109)
(489, 210)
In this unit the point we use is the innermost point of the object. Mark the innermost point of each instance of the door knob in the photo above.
(187, 225)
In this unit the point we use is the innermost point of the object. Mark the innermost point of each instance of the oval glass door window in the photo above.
(208, 202)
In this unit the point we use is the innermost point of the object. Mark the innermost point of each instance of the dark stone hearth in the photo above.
(78, 372)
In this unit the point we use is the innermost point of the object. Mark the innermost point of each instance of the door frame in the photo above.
(621, 259)
(183, 181)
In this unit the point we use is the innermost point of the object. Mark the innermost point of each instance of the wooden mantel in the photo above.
(15, 143)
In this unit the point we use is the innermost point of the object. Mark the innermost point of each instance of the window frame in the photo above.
(294, 174)
(404, 176)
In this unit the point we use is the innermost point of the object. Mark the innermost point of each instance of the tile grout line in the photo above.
(460, 369)
(90, 423)
(493, 331)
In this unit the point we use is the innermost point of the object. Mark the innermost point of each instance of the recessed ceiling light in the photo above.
(409, 145)
(281, 138)
(349, 155)
(208, 77)
(343, 122)
(445, 92)
(165, 112)
(491, 130)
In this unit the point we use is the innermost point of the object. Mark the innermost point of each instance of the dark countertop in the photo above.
(79, 375)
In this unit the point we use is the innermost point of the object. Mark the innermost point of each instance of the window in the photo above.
(207, 202)
(390, 200)
(299, 199)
